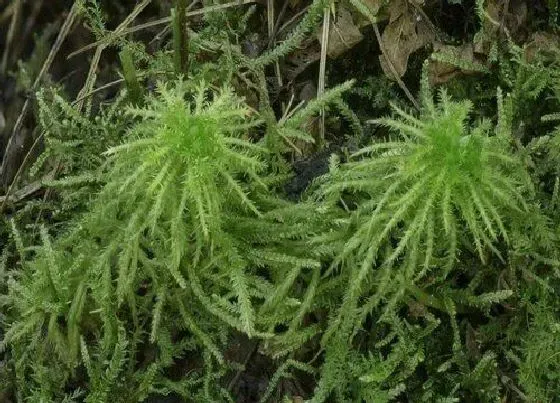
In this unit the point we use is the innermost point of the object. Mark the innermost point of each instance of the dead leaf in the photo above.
(377, 8)
(405, 34)
(542, 44)
(465, 59)
(417, 310)
(343, 34)
(373, 5)
(396, 9)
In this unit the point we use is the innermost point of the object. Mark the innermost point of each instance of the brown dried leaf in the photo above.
(406, 33)
(542, 44)
(396, 9)
(440, 72)
(373, 5)
(378, 8)
(343, 34)
(417, 310)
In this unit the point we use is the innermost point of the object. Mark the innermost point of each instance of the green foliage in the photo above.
(310, 21)
(414, 202)
(28, 71)
(173, 166)
(553, 12)
(183, 214)
(441, 177)
(95, 17)
(130, 76)
(538, 372)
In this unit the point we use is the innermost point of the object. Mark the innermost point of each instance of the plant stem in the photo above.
(180, 37)
(130, 76)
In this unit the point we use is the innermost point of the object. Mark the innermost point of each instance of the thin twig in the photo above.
(164, 31)
(7, 12)
(22, 193)
(161, 21)
(31, 19)
(505, 10)
(270, 20)
(270, 17)
(91, 77)
(98, 89)
(37, 6)
(292, 20)
(323, 68)
(506, 381)
(272, 37)
(10, 36)
(8, 195)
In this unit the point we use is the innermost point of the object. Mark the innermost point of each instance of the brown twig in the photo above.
(274, 33)
(91, 77)
(22, 193)
(505, 10)
(8, 196)
(29, 25)
(98, 89)
(155, 23)
(323, 68)
(10, 36)
(292, 20)
(270, 11)
(7, 12)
